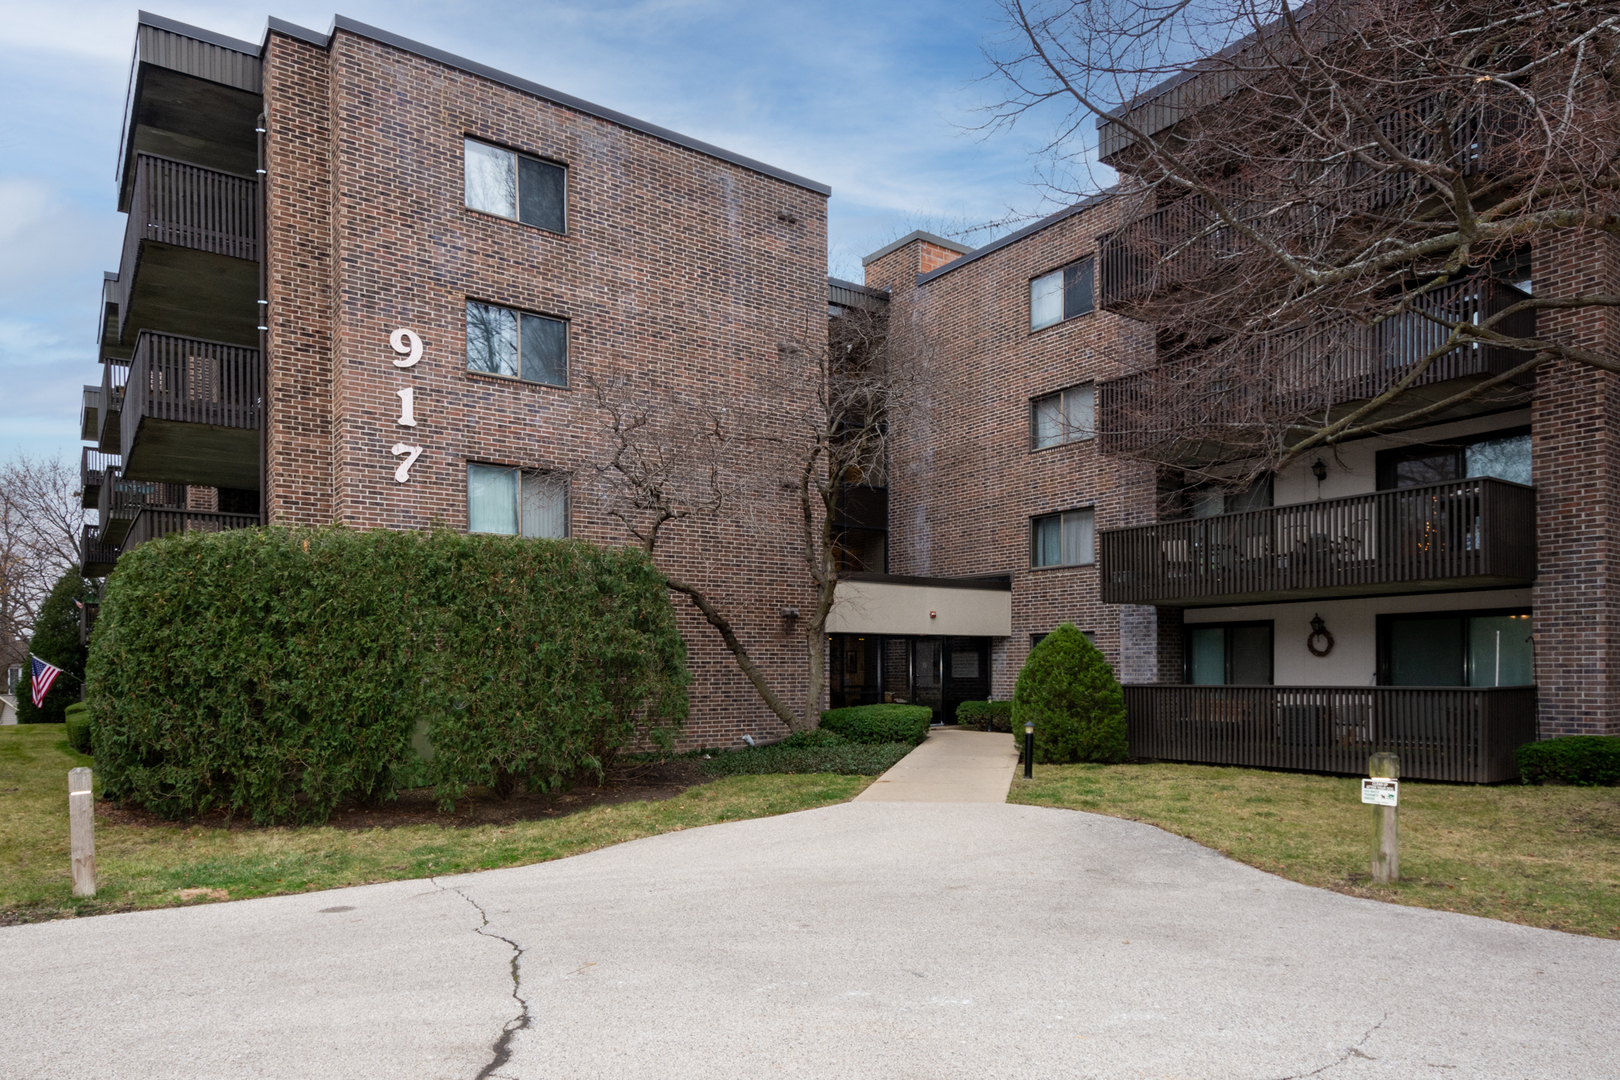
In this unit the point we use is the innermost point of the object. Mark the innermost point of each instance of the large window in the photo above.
(523, 188)
(1060, 295)
(1066, 539)
(516, 345)
(1456, 648)
(516, 502)
(1066, 416)
(1229, 654)
(1502, 454)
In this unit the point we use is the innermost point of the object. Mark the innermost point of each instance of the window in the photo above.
(516, 345)
(1063, 539)
(516, 502)
(1066, 416)
(1502, 454)
(1456, 648)
(510, 185)
(1229, 654)
(1206, 500)
(1060, 295)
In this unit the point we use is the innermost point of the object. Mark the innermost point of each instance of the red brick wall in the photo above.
(964, 482)
(680, 273)
(1574, 423)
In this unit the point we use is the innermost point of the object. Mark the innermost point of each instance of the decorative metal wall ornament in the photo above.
(1319, 630)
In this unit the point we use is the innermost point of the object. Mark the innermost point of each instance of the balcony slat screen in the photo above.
(197, 382)
(152, 523)
(1464, 734)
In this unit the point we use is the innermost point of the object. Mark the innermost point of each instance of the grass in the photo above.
(140, 866)
(1541, 856)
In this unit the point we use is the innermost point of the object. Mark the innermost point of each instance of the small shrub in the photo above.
(77, 716)
(989, 715)
(874, 724)
(842, 756)
(817, 737)
(1587, 760)
(1068, 690)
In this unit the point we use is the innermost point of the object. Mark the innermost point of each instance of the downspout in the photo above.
(263, 321)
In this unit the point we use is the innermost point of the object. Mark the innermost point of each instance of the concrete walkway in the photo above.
(951, 765)
(855, 942)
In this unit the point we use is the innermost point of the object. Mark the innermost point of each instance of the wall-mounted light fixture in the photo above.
(1319, 630)
(1319, 470)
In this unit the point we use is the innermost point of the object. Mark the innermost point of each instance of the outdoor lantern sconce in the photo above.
(791, 614)
(1319, 470)
(1319, 630)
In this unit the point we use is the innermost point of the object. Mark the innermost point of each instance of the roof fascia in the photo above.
(916, 234)
(1013, 237)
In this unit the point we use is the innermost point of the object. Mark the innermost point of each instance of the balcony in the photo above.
(191, 412)
(1465, 534)
(90, 414)
(152, 523)
(190, 259)
(108, 436)
(1464, 734)
(121, 501)
(96, 556)
(1305, 371)
(93, 466)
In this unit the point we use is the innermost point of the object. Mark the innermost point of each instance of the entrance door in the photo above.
(967, 674)
(926, 677)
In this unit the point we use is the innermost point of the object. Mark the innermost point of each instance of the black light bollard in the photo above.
(1029, 750)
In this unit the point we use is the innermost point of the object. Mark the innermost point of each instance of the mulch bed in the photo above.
(640, 782)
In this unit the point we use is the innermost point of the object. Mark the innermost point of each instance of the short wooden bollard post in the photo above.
(1386, 825)
(82, 831)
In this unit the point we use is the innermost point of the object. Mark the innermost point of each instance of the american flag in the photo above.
(44, 675)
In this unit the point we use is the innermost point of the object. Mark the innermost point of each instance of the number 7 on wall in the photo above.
(403, 473)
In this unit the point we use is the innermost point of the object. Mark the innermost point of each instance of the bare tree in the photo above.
(674, 460)
(40, 523)
(1329, 209)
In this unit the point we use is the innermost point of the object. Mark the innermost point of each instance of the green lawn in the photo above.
(141, 866)
(1542, 856)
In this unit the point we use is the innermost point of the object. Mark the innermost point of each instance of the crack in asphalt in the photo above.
(501, 1048)
(1352, 1051)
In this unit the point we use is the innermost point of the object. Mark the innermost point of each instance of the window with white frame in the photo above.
(1061, 294)
(516, 186)
(516, 345)
(516, 502)
(1066, 416)
(1066, 539)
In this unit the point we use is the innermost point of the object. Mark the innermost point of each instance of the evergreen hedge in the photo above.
(990, 715)
(77, 718)
(56, 641)
(875, 724)
(1068, 690)
(1587, 760)
(280, 672)
(819, 751)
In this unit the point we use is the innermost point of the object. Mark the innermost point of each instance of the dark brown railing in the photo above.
(1441, 733)
(93, 466)
(90, 414)
(190, 381)
(96, 557)
(113, 378)
(1480, 531)
(121, 501)
(1310, 370)
(188, 206)
(151, 523)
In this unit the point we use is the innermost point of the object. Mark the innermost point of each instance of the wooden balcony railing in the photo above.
(1463, 734)
(1309, 370)
(108, 433)
(96, 556)
(153, 523)
(121, 501)
(90, 414)
(93, 466)
(1465, 533)
(187, 206)
(174, 378)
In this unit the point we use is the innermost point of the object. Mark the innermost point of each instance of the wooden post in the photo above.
(82, 830)
(1386, 834)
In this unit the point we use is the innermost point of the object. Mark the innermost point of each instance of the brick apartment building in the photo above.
(367, 282)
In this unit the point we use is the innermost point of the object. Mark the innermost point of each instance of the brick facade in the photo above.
(680, 274)
(964, 482)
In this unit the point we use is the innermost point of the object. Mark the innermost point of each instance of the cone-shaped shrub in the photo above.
(1068, 690)
(56, 641)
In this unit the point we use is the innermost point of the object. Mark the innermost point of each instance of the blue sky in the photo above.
(872, 98)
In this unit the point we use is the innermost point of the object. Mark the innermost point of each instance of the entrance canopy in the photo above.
(890, 604)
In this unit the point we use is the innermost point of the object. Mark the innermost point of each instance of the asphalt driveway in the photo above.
(871, 939)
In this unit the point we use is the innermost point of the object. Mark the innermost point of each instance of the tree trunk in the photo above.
(816, 685)
(744, 661)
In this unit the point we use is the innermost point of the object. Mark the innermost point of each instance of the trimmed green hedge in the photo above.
(819, 751)
(279, 673)
(1068, 690)
(1587, 760)
(77, 716)
(874, 724)
(990, 715)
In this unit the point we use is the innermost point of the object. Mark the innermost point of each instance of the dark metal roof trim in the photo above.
(988, 582)
(848, 294)
(472, 67)
(916, 234)
(296, 32)
(1014, 237)
(146, 18)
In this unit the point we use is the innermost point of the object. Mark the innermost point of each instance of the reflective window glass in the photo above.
(1500, 652)
(492, 339)
(491, 179)
(1505, 459)
(1046, 300)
